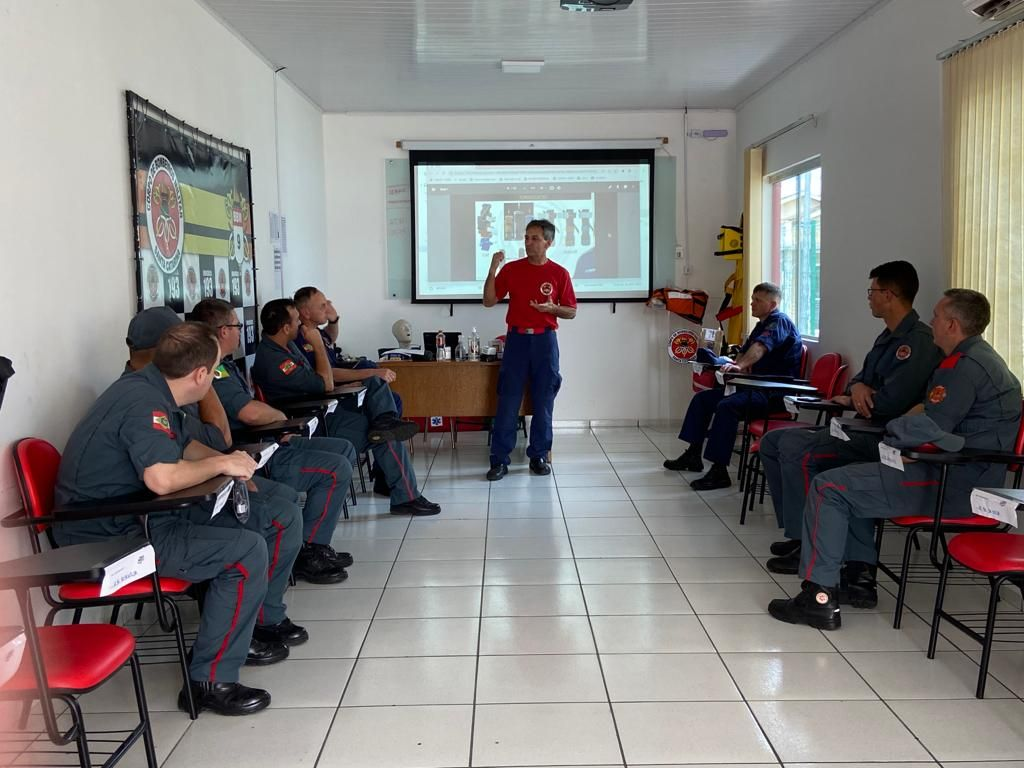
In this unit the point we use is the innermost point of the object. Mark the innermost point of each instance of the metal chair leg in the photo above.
(940, 594)
(901, 594)
(990, 626)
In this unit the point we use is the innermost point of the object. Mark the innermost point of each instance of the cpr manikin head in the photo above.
(402, 330)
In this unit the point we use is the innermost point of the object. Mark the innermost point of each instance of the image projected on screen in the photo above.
(464, 213)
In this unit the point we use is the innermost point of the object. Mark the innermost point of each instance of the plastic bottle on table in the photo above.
(439, 344)
(474, 345)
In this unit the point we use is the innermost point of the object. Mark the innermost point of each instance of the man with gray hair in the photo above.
(774, 347)
(972, 401)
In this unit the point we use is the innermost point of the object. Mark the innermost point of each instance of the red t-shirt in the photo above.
(524, 282)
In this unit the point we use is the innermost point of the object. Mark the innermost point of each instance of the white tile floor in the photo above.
(604, 616)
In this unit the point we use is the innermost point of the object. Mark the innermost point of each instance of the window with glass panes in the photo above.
(793, 253)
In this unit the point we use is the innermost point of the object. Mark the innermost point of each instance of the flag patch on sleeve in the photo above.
(288, 367)
(162, 423)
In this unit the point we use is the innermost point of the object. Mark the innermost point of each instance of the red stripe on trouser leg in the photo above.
(334, 483)
(817, 519)
(234, 618)
(803, 465)
(401, 470)
(273, 560)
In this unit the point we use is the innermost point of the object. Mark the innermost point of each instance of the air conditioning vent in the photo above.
(994, 10)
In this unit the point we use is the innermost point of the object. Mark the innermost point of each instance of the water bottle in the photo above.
(439, 344)
(474, 345)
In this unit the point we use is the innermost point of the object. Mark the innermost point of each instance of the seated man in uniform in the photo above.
(321, 467)
(136, 438)
(773, 347)
(972, 401)
(282, 371)
(891, 381)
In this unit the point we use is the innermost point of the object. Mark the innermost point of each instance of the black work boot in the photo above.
(316, 567)
(340, 559)
(786, 564)
(858, 585)
(225, 698)
(283, 632)
(785, 547)
(265, 652)
(687, 461)
(388, 427)
(816, 606)
(717, 477)
(497, 471)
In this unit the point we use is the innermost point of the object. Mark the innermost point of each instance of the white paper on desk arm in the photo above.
(266, 453)
(719, 377)
(790, 402)
(332, 406)
(890, 457)
(222, 499)
(836, 430)
(129, 568)
(313, 424)
(698, 368)
(989, 505)
(730, 390)
(360, 397)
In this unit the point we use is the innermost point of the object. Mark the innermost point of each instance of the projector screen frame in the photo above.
(590, 156)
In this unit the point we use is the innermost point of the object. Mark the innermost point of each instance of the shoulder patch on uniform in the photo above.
(288, 367)
(221, 372)
(308, 347)
(903, 352)
(951, 361)
(162, 424)
(937, 394)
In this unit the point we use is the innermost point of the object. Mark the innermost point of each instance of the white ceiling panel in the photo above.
(445, 55)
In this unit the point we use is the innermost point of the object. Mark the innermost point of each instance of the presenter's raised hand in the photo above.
(497, 260)
(548, 307)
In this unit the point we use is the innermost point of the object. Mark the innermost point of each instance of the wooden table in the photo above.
(448, 388)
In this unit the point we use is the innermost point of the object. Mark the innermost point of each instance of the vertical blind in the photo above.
(984, 181)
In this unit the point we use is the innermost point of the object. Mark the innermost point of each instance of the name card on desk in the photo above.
(989, 505)
(890, 457)
(836, 430)
(313, 424)
(129, 568)
(264, 455)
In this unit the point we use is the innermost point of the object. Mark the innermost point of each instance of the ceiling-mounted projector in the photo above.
(595, 5)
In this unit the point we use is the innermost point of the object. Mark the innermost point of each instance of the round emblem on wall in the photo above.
(164, 215)
(682, 346)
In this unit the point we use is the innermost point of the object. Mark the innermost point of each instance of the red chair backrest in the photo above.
(805, 357)
(824, 371)
(1018, 444)
(258, 393)
(37, 463)
(838, 383)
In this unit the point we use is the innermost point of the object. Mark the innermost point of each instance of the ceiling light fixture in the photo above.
(522, 66)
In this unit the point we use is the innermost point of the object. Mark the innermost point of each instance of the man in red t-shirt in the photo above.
(539, 293)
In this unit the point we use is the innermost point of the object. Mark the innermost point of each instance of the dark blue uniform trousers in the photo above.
(714, 417)
(320, 467)
(353, 424)
(533, 358)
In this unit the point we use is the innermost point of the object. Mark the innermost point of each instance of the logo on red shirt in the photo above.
(288, 367)
(546, 289)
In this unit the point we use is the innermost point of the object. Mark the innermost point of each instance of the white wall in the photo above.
(67, 288)
(614, 366)
(877, 90)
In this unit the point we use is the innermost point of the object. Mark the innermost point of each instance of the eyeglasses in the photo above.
(231, 325)
(877, 290)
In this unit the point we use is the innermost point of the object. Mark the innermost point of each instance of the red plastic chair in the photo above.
(37, 463)
(914, 525)
(1000, 558)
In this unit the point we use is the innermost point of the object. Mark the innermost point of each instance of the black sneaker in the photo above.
(540, 466)
(685, 462)
(263, 653)
(225, 698)
(497, 471)
(314, 565)
(783, 548)
(282, 632)
(815, 606)
(787, 564)
(717, 477)
(858, 586)
(418, 507)
(341, 559)
(387, 428)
